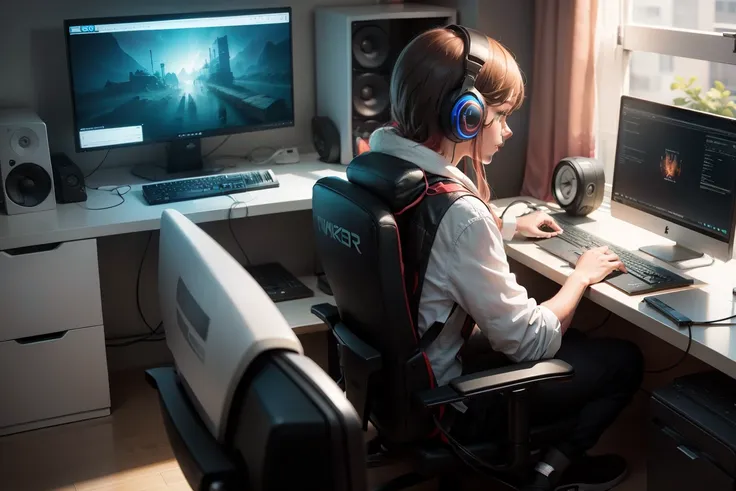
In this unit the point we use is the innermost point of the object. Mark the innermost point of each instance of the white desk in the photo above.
(53, 364)
(715, 346)
(74, 221)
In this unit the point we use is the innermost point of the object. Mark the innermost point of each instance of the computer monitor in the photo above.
(242, 406)
(177, 79)
(674, 175)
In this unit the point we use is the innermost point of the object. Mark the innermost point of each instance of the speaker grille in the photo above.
(376, 45)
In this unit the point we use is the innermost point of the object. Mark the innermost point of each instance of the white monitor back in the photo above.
(217, 318)
(669, 225)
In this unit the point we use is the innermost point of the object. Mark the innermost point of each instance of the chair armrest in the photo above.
(368, 357)
(328, 313)
(512, 377)
(203, 461)
(359, 363)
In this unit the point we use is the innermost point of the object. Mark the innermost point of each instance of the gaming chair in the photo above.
(243, 408)
(357, 224)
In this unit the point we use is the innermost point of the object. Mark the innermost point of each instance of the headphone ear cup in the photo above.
(446, 116)
(466, 116)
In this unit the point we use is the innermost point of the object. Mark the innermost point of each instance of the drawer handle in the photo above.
(41, 338)
(21, 251)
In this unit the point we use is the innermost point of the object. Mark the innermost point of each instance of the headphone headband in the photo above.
(476, 52)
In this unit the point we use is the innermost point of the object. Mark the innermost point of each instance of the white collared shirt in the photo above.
(468, 266)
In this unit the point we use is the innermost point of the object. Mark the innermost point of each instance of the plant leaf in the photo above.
(719, 85)
(680, 101)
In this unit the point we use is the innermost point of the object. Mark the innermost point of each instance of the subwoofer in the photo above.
(25, 163)
(356, 48)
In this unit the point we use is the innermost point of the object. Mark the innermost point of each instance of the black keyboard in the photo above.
(205, 187)
(656, 277)
(278, 282)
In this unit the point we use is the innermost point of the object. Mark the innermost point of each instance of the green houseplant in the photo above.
(716, 100)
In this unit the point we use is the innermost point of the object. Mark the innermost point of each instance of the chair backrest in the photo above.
(244, 408)
(357, 231)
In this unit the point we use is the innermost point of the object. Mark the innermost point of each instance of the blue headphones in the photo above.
(463, 110)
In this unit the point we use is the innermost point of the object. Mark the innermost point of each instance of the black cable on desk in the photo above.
(516, 202)
(690, 341)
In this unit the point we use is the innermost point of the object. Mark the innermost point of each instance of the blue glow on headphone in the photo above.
(459, 111)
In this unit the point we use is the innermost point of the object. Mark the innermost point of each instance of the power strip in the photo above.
(286, 156)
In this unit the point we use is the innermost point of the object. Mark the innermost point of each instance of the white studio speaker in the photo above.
(355, 51)
(25, 163)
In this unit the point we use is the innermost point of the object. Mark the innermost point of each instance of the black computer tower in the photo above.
(692, 435)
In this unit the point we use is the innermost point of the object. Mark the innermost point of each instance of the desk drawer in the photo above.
(49, 289)
(54, 376)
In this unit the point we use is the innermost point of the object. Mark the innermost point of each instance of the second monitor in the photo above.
(675, 175)
(177, 79)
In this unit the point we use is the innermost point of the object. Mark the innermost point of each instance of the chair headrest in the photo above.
(397, 182)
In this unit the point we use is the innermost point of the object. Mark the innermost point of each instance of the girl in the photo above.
(468, 263)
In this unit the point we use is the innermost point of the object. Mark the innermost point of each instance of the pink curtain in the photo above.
(563, 90)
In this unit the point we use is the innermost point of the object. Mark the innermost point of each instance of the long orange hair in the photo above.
(428, 69)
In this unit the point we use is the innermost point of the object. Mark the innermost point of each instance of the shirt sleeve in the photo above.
(508, 230)
(484, 286)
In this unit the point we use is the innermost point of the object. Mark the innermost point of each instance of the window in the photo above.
(666, 63)
(663, 57)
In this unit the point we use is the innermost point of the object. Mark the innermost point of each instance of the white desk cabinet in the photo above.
(53, 364)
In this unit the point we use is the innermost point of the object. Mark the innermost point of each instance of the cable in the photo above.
(224, 141)
(230, 225)
(602, 323)
(518, 201)
(684, 355)
(113, 189)
(98, 165)
(468, 457)
(136, 338)
(690, 325)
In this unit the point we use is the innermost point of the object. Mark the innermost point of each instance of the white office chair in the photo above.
(243, 408)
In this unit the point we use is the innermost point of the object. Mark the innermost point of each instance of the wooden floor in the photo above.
(129, 450)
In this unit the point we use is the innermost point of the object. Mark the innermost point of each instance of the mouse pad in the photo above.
(700, 305)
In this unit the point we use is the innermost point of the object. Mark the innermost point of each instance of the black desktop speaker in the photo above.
(578, 185)
(326, 139)
(353, 84)
(68, 179)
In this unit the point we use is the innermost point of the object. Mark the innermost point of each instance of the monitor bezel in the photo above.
(232, 130)
(681, 232)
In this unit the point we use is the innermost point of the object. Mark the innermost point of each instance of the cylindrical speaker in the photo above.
(578, 185)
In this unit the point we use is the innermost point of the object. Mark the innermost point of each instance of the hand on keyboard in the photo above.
(596, 264)
(537, 225)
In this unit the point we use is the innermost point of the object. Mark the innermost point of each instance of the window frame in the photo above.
(613, 71)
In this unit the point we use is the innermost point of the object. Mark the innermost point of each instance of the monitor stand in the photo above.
(183, 159)
(678, 256)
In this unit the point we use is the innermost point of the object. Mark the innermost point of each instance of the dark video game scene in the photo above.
(181, 81)
(670, 165)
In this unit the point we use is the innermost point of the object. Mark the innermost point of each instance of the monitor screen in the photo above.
(677, 164)
(158, 79)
